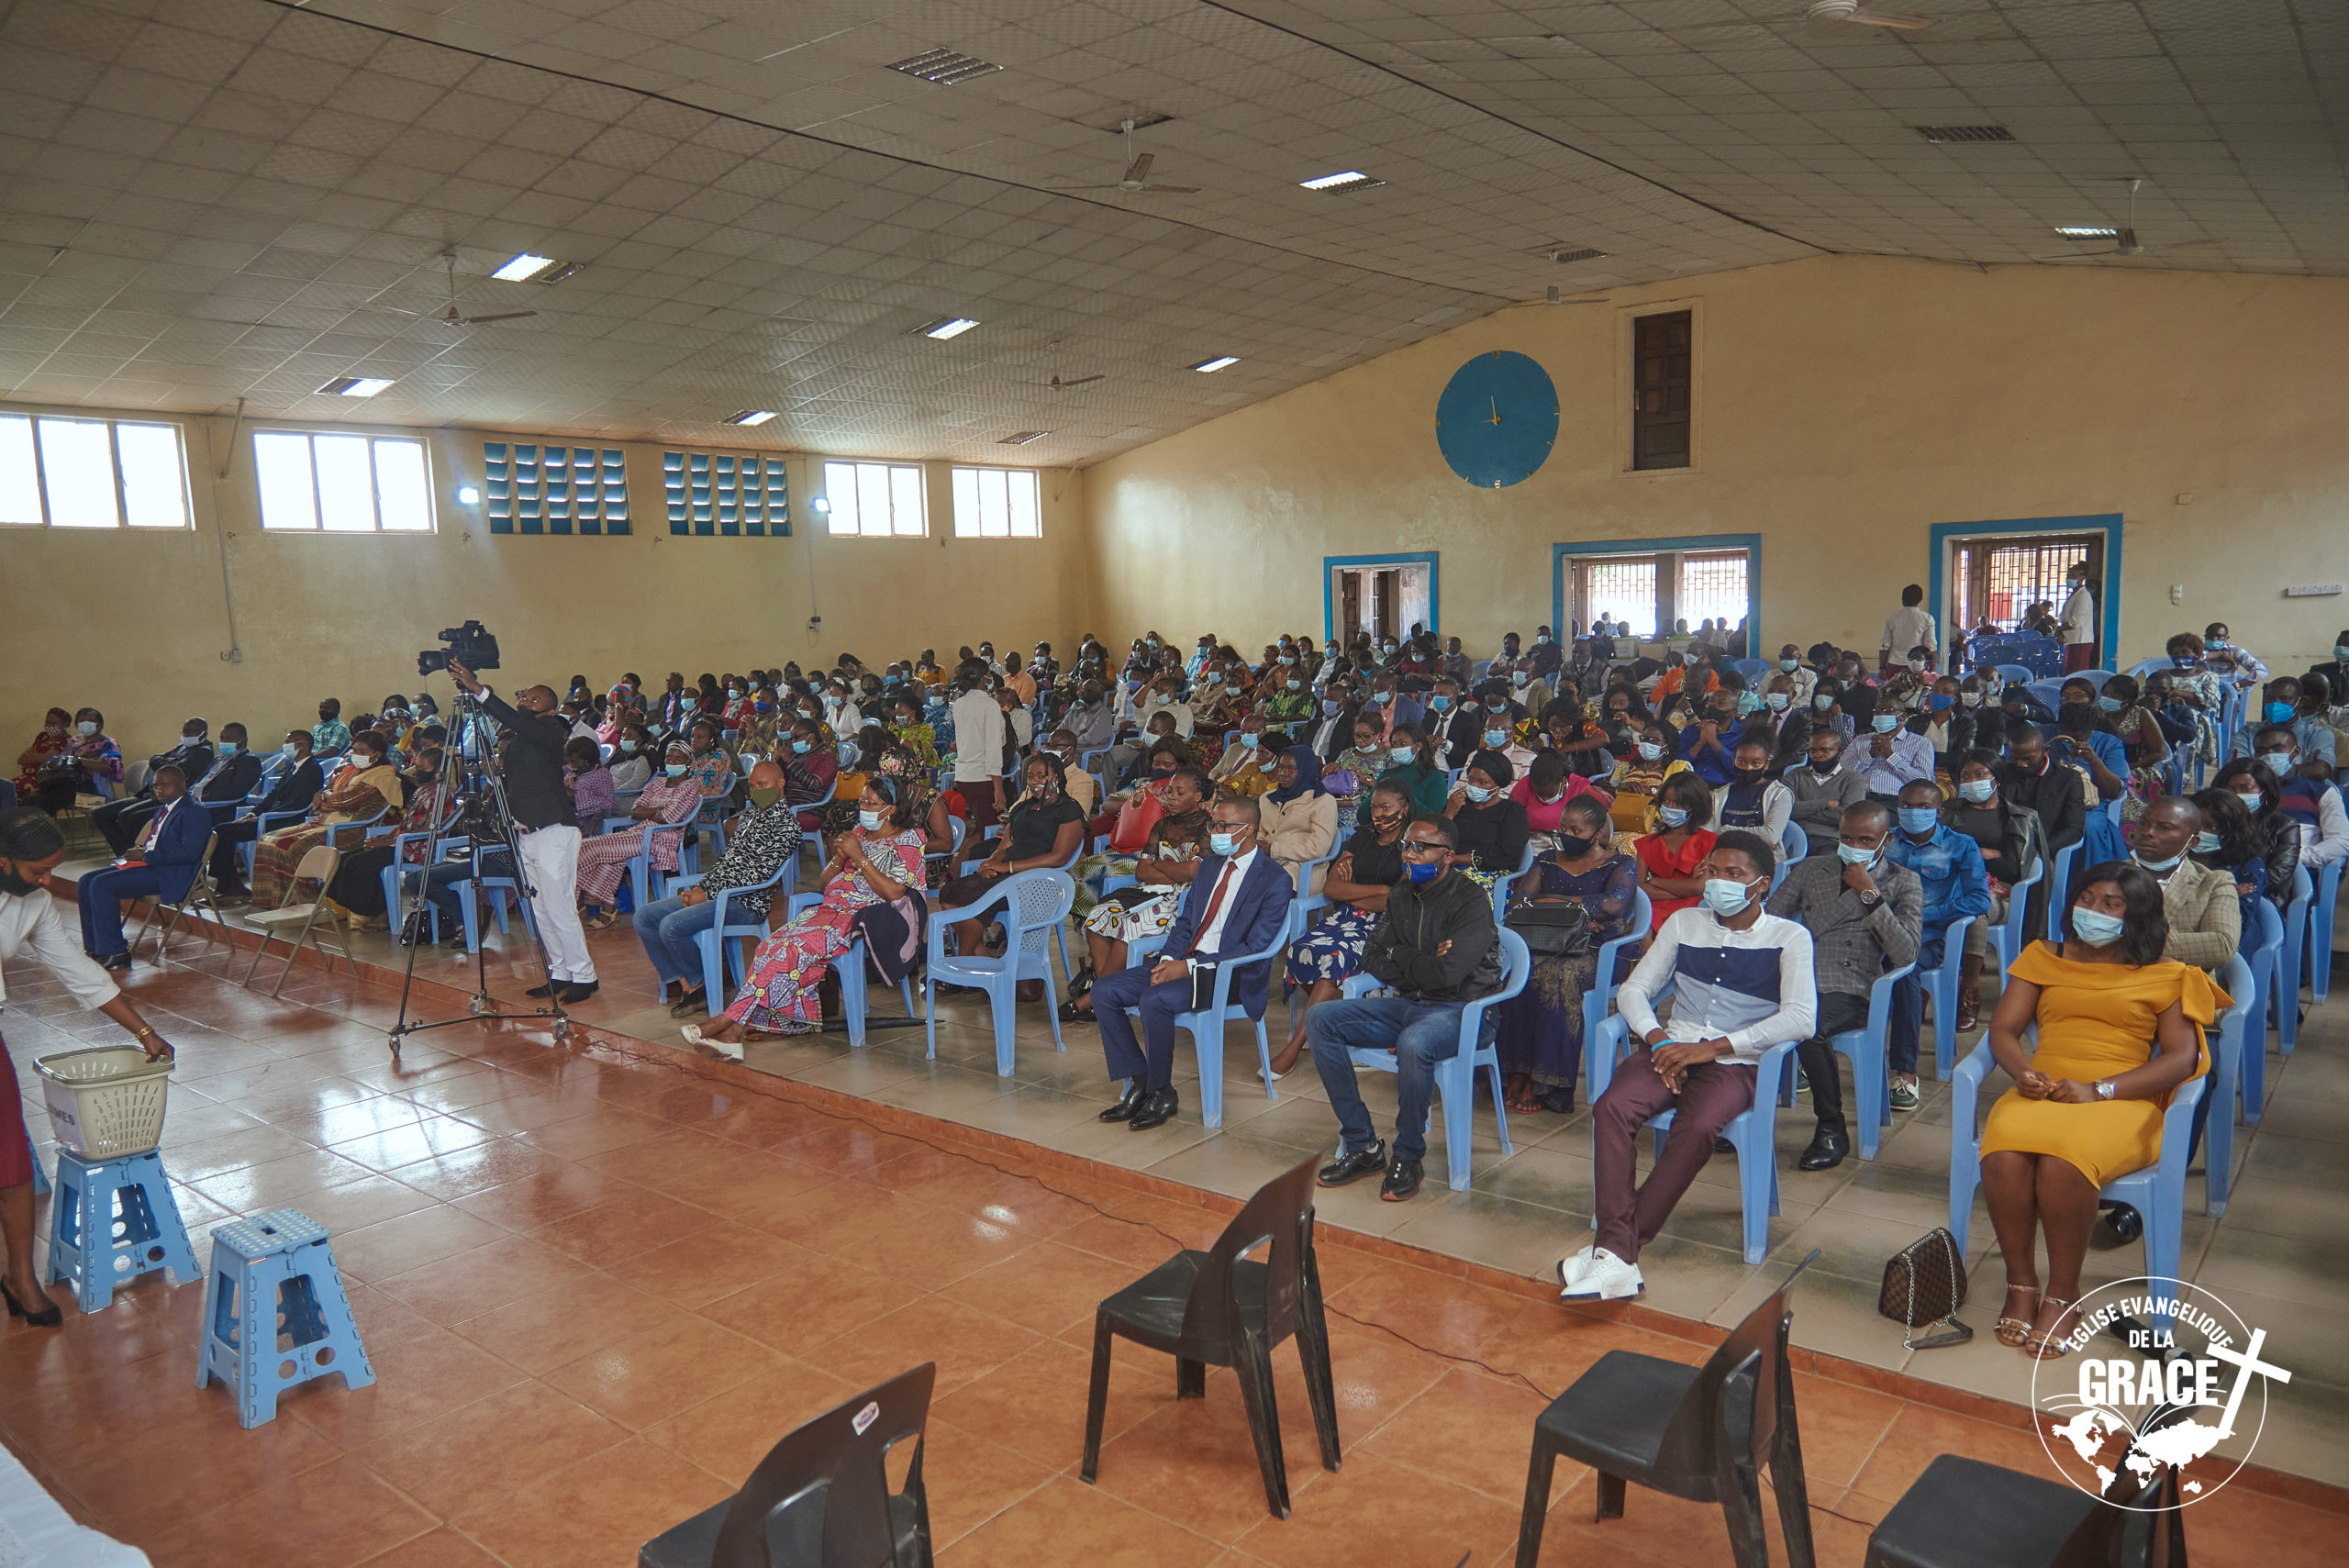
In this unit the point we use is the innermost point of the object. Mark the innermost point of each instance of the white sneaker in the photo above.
(1609, 1278)
(1571, 1270)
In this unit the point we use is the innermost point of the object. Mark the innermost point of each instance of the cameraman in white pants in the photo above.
(533, 768)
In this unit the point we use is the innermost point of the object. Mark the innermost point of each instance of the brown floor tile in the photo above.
(964, 1342)
(843, 1218)
(594, 1133)
(971, 1480)
(1047, 1287)
(443, 1548)
(1067, 1521)
(465, 1172)
(716, 1263)
(331, 1516)
(1034, 1403)
(376, 1252)
(649, 1375)
(454, 1289)
(482, 1452)
(936, 1248)
(820, 1300)
(729, 1434)
(1920, 1433)
(597, 1511)
(541, 1332)
(633, 1221)
(1195, 1460)
(1447, 1316)
(526, 1204)
(1470, 1429)
(415, 1380)
(1412, 1517)
(395, 1146)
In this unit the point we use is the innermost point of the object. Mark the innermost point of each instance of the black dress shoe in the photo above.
(1156, 1109)
(549, 989)
(575, 992)
(1827, 1150)
(1402, 1181)
(117, 962)
(1127, 1103)
(2124, 1221)
(1354, 1166)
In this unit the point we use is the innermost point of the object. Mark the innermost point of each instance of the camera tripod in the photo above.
(487, 819)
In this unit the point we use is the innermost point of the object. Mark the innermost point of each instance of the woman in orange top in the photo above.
(2119, 1029)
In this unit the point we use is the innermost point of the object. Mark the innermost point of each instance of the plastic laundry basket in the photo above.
(106, 1102)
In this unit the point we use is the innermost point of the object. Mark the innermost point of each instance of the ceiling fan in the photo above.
(2124, 238)
(1135, 179)
(1850, 11)
(452, 316)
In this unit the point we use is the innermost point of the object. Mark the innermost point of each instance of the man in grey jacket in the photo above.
(1864, 914)
(1824, 790)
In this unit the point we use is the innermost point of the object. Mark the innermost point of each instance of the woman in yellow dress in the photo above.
(2119, 1029)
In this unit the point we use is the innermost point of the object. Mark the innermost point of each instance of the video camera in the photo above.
(469, 645)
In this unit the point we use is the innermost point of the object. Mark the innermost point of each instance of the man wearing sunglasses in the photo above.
(1436, 949)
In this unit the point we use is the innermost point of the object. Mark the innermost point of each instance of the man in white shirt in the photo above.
(1745, 983)
(1907, 628)
(978, 746)
(2076, 625)
(1890, 757)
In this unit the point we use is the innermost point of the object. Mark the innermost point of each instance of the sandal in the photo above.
(2050, 1346)
(2015, 1332)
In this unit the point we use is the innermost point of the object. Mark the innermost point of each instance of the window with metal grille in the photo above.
(875, 500)
(2003, 581)
(337, 482)
(996, 503)
(1621, 591)
(714, 496)
(1661, 389)
(1712, 587)
(554, 490)
(61, 472)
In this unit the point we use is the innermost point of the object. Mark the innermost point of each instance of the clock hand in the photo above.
(1497, 409)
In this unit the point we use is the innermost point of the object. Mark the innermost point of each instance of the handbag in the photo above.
(1925, 1283)
(1139, 814)
(1552, 931)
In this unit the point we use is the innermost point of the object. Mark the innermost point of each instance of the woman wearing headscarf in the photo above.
(34, 924)
(1297, 819)
(46, 742)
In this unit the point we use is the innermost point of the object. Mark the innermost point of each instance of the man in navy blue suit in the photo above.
(161, 864)
(296, 788)
(1238, 903)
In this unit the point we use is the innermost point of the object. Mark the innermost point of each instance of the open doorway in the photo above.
(1378, 596)
(2007, 575)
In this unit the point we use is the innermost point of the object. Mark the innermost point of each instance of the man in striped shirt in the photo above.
(1743, 983)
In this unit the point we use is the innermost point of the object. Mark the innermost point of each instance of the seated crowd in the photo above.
(1771, 838)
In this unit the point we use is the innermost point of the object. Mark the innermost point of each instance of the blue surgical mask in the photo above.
(86, 729)
(801, 748)
(870, 821)
(2109, 705)
(1495, 738)
(1223, 843)
(762, 707)
(1854, 855)
(1651, 750)
(289, 748)
(229, 748)
(1518, 678)
(688, 704)
(1330, 707)
(2217, 642)
(1400, 753)
(1288, 659)
(2096, 927)
(1918, 819)
(2253, 801)
(1941, 702)
(2278, 763)
(1789, 665)
(1978, 790)
(2158, 865)
(1725, 898)
(1295, 685)
(1778, 701)
(1477, 793)
(2341, 652)
(1421, 870)
(1885, 723)
(1438, 703)
(676, 770)
(2278, 712)
(2206, 842)
(1249, 741)
(1823, 701)
(1671, 816)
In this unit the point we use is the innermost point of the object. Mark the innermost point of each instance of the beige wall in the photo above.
(135, 624)
(1843, 406)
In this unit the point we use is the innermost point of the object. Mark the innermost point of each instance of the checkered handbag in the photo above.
(1925, 1283)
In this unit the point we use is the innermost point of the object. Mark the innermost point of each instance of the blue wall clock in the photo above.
(1497, 420)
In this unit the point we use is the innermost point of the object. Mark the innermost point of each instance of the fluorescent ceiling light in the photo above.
(751, 417)
(523, 268)
(356, 385)
(948, 326)
(1023, 438)
(1340, 180)
(1218, 362)
(944, 66)
(2075, 232)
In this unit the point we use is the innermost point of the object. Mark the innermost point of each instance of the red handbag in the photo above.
(1135, 819)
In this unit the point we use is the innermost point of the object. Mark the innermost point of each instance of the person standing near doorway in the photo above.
(2077, 626)
(1906, 630)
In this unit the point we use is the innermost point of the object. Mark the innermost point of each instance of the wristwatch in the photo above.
(1870, 899)
(2104, 1088)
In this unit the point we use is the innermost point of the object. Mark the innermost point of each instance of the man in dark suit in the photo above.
(120, 820)
(297, 789)
(1238, 903)
(161, 864)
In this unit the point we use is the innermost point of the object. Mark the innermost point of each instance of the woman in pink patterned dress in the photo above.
(673, 795)
(878, 862)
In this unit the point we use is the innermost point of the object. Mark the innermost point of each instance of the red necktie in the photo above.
(1215, 902)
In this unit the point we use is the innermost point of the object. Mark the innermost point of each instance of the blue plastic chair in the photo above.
(2227, 1047)
(2007, 937)
(715, 941)
(2157, 1193)
(1752, 1131)
(649, 886)
(1753, 670)
(1600, 1002)
(2321, 913)
(2286, 994)
(1503, 886)
(1034, 904)
(2059, 885)
(1455, 1076)
(1940, 986)
(2014, 674)
(399, 869)
(1871, 1067)
(1793, 848)
(1206, 1025)
(2266, 951)
(2048, 692)
(263, 824)
(849, 969)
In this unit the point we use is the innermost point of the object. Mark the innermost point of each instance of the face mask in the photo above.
(2253, 801)
(1671, 816)
(1853, 855)
(1941, 702)
(1918, 819)
(762, 707)
(1725, 898)
(1649, 751)
(2158, 865)
(2096, 927)
(2206, 842)
(1438, 703)
(1495, 738)
(801, 748)
(1288, 659)
(2278, 712)
(675, 770)
(289, 748)
(1976, 790)
(688, 704)
(1749, 776)
(1295, 685)
(1973, 699)
(86, 729)
(2341, 652)
(1400, 753)
(1249, 741)
(1789, 665)
(1541, 639)
(2109, 705)
(2216, 643)
(1885, 723)
(1518, 679)
(1747, 701)
(1823, 701)
(1421, 870)
(735, 692)
(1829, 766)
(762, 798)
(1778, 701)
(1476, 794)
(2183, 661)
(1330, 706)
(1223, 843)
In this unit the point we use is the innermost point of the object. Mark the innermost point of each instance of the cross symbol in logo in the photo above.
(2247, 1360)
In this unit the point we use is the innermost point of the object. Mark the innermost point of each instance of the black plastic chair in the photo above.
(821, 1498)
(1220, 1309)
(1701, 1433)
(1963, 1513)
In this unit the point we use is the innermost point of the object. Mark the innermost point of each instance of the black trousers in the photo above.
(121, 821)
(228, 866)
(1838, 1011)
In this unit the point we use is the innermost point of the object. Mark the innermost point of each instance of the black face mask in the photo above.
(1750, 775)
(1572, 848)
(11, 882)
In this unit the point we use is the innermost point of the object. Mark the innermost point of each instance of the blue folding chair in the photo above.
(1752, 1131)
(1600, 1002)
(2157, 1192)
(1206, 1025)
(850, 970)
(2286, 997)
(713, 939)
(1455, 1075)
(1034, 904)
(1871, 1068)
(646, 885)
(1502, 886)
(2266, 946)
(1940, 987)
(2228, 1045)
(2007, 936)
(2321, 913)
(2059, 885)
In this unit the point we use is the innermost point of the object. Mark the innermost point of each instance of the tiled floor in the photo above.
(598, 1280)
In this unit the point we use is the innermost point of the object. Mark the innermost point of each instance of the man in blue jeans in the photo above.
(1437, 949)
(1950, 865)
(759, 843)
